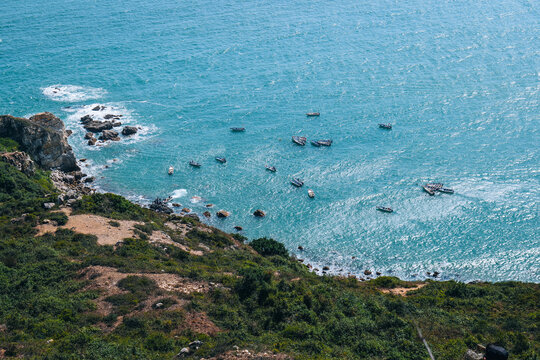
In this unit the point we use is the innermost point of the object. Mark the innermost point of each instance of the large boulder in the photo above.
(20, 160)
(129, 130)
(222, 214)
(98, 126)
(43, 137)
(259, 213)
(109, 135)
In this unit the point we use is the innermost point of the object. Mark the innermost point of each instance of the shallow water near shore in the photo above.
(459, 81)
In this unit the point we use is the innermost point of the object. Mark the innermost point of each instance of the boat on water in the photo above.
(299, 140)
(445, 190)
(311, 193)
(325, 142)
(385, 209)
(270, 168)
(313, 114)
(429, 190)
(434, 186)
(194, 164)
(238, 129)
(386, 126)
(297, 182)
(315, 143)
(171, 170)
(221, 160)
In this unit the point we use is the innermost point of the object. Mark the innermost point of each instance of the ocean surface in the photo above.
(459, 81)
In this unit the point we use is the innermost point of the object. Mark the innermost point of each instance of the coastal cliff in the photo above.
(44, 137)
(99, 277)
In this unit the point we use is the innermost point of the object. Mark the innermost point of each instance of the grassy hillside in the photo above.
(65, 296)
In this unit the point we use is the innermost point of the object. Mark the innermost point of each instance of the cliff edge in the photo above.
(44, 137)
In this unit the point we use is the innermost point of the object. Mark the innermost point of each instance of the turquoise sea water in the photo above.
(459, 80)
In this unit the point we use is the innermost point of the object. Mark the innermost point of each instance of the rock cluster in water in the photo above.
(104, 127)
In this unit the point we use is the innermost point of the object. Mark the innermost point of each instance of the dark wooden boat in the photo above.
(429, 190)
(270, 168)
(313, 114)
(315, 143)
(386, 126)
(297, 182)
(299, 140)
(325, 142)
(194, 164)
(238, 129)
(434, 186)
(384, 209)
(221, 160)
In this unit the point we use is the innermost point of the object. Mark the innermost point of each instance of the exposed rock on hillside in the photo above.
(43, 137)
(21, 161)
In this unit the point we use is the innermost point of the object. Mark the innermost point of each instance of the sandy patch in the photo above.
(107, 278)
(199, 323)
(402, 291)
(160, 237)
(94, 225)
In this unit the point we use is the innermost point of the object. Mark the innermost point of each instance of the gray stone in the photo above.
(129, 130)
(48, 205)
(43, 137)
(109, 135)
(21, 161)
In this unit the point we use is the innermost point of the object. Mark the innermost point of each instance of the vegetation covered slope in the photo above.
(64, 296)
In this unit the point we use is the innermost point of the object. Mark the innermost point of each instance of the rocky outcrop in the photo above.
(129, 130)
(222, 214)
(259, 213)
(21, 161)
(43, 137)
(109, 135)
(98, 126)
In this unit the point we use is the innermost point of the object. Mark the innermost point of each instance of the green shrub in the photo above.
(269, 247)
(8, 145)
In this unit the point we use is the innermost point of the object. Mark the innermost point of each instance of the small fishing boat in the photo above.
(299, 140)
(297, 182)
(238, 129)
(171, 170)
(386, 126)
(194, 164)
(311, 193)
(434, 186)
(446, 190)
(313, 114)
(429, 190)
(270, 168)
(315, 143)
(221, 160)
(325, 142)
(384, 209)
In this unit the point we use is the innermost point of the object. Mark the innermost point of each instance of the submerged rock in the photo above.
(222, 214)
(238, 228)
(129, 130)
(43, 137)
(207, 214)
(259, 213)
(98, 108)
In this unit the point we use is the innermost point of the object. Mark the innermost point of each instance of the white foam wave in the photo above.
(72, 93)
(178, 193)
